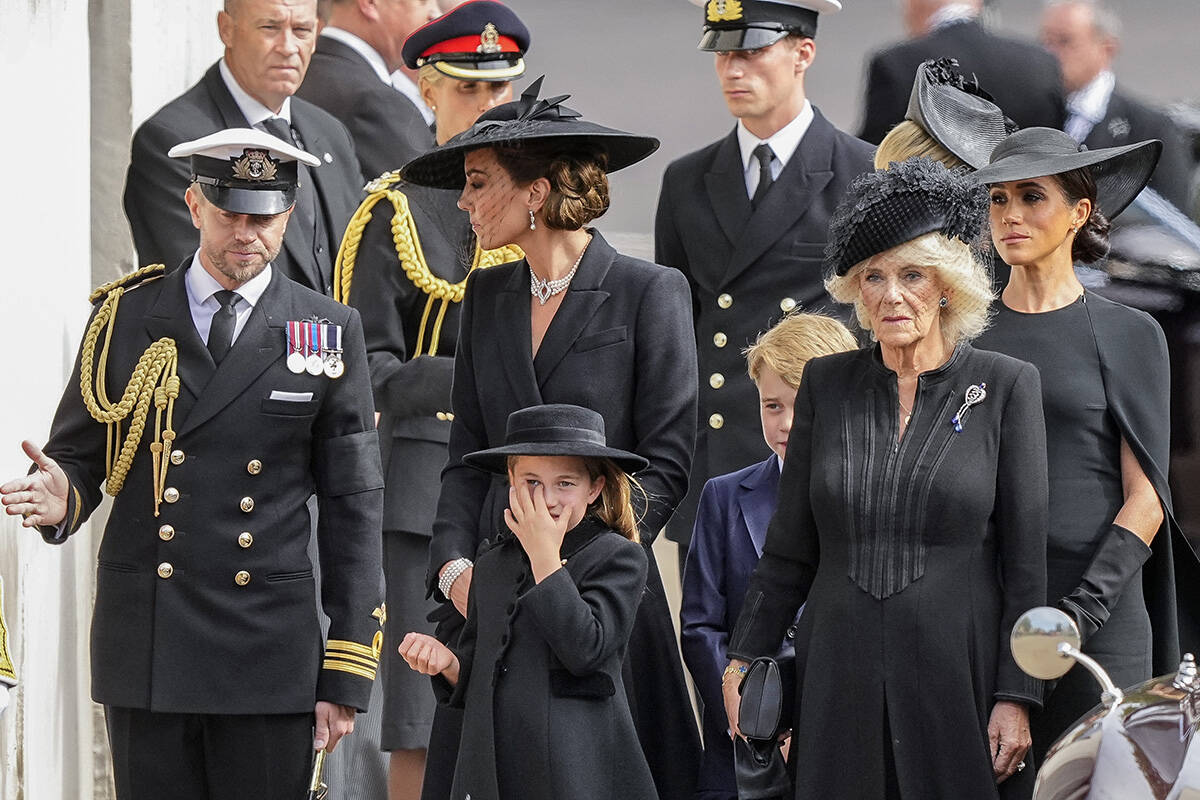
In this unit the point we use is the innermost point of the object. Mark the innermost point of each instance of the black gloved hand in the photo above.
(1118, 558)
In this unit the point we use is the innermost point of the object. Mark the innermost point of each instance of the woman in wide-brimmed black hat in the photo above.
(1105, 383)
(573, 322)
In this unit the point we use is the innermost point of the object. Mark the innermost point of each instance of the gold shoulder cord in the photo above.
(154, 379)
(412, 259)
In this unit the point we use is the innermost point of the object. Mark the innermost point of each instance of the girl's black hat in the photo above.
(553, 430)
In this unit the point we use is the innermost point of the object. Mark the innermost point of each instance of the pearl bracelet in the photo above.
(452, 573)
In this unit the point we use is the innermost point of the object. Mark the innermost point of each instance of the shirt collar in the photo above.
(201, 286)
(405, 86)
(950, 15)
(359, 46)
(784, 141)
(254, 111)
(1092, 100)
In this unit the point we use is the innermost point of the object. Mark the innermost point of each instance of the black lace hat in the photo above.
(956, 112)
(888, 207)
(525, 120)
(1120, 172)
(556, 429)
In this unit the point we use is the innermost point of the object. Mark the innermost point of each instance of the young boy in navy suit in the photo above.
(731, 525)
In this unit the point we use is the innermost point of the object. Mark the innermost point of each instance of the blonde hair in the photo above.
(909, 140)
(970, 295)
(793, 342)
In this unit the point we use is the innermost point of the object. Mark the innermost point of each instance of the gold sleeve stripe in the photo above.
(353, 669)
(367, 663)
(75, 516)
(343, 646)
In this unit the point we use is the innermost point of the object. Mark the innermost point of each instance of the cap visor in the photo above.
(490, 71)
(720, 41)
(250, 201)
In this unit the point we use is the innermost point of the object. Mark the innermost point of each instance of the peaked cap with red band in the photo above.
(479, 40)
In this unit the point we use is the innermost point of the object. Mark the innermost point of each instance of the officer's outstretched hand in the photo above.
(333, 722)
(41, 496)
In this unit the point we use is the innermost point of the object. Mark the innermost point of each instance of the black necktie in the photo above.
(764, 155)
(220, 333)
(304, 214)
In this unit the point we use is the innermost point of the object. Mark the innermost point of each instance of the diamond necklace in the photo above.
(544, 290)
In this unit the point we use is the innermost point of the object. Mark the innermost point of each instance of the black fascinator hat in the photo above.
(911, 198)
(525, 120)
(956, 112)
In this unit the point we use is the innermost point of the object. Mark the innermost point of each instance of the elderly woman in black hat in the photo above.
(1106, 393)
(403, 264)
(911, 517)
(574, 321)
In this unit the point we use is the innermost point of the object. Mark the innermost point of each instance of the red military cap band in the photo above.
(470, 44)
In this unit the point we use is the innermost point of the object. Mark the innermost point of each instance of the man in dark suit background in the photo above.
(268, 44)
(351, 77)
(207, 650)
(1085, 37)
(745, 218)
(1022, 77)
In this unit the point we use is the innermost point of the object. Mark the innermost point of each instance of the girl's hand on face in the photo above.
(540, 534)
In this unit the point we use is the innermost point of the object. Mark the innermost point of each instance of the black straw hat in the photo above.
(956, 112)
(526, 120)
(888, 207)
(1120, 172)
(553, 430)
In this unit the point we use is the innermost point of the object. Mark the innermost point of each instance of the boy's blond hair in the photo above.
(793, 342)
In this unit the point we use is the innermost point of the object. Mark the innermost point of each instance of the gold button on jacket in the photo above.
(441, 415)
(166, 533)
(247, 504)
(254, 467)
(720, 339)
(716, 422)
(716, 380)
(242, 578)
(725, 300)
(246, 539)
(165, 570)
(177, 457)
(171, 494)
(787, 304)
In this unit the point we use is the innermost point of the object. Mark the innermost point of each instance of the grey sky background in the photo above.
(633, 64)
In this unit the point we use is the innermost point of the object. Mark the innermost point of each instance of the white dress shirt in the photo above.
(254, 112)
(783, 144)
(201, 288)
(1086, 107)
(405, 86)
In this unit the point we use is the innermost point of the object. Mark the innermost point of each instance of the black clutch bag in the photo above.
(764, 714)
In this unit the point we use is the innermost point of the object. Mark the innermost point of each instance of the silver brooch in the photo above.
(975, 395)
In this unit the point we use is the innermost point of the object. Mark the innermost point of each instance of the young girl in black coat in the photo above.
(551, 607)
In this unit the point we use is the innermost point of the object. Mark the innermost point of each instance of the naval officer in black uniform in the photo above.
(212, 401)
(745, 218)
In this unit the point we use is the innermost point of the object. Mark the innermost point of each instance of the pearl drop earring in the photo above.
(532, 223)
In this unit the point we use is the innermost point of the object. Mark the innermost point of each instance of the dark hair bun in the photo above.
(577, 174)
(1091, 243)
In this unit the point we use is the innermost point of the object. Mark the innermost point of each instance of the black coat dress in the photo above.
(620, 344)
(540, 674)
(915, 557)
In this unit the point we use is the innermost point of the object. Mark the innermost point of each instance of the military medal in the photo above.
(313, 362)
(295, 343)
(334, 366)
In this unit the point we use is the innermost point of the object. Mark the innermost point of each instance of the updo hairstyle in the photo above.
(576, 172)
(909, 140)
(1091, 241)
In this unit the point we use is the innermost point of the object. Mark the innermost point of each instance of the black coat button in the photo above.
(791, 632)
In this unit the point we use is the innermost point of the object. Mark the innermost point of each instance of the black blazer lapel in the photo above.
(807, 173)
(579, 305)
(726, 185)
(170, 317)
(261, 343)
(226, 106)
(516, 350)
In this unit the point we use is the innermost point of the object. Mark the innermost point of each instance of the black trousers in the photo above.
(209, 756)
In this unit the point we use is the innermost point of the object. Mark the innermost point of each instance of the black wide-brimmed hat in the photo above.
(553, 430)
(244, 170)
(525, 120)
(888, 207)
(755, 24)
(479, 40)
(956, 112)
(1120, 172)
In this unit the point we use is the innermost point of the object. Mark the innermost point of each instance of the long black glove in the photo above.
(1118, 558)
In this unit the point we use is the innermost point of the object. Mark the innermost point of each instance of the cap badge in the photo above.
(724, 10)
(254, 165)
(489, 40)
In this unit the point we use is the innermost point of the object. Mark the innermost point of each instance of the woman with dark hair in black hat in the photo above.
(575, 322)
(403, 264)
(1105, 383)
(538, 667)
(911, 517)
